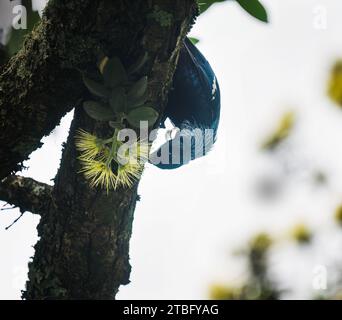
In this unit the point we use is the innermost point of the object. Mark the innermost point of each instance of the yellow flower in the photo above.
(111, 168)
(131, 164)
(89, 145)
(99, 174)
(127, 174)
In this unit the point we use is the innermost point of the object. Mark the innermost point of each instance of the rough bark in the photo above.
(38, 86)
(83, 251)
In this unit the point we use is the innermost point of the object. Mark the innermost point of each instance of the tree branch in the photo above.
(26, 194)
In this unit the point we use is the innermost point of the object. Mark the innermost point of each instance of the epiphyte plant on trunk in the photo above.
(121, 102)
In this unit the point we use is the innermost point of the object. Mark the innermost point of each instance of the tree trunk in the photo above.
(83, 251)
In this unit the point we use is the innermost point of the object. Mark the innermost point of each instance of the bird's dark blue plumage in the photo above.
(193, 106)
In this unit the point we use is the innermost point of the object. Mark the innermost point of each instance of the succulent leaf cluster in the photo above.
(122, 103)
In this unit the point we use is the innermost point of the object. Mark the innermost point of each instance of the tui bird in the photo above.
(193, 107)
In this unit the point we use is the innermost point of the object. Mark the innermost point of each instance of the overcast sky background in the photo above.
(190, 220)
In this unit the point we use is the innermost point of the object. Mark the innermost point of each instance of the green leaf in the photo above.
(114, 73)
(254, 8)
(136, 67)
(96, 88)
(98, 111)
(138, 90)
(134, 102)
(194, 40)
(142, 114)
(118, 100)
(137, 95)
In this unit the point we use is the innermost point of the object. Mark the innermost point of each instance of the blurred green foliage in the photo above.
(335, 83)
(260, 243)
(259, 283)
(302, 234)
(258, 286)
(338, 215)
(282, 131)
(320, 178)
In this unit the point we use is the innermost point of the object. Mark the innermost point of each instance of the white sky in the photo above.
(190, 220)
